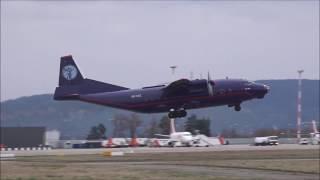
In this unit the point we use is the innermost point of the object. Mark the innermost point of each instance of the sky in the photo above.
(133, 43)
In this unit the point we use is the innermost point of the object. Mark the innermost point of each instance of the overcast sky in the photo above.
(133, 43)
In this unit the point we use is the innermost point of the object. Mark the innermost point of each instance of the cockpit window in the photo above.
(198, 88)
(249, 83)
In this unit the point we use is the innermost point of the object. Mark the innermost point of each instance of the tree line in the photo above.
(127, 125)
(124, 125)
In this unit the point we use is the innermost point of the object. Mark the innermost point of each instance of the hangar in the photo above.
(18, 137)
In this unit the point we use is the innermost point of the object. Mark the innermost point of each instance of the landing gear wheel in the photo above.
(237, 108)
(172, 144)
(182, 113)
(172, 114)
(177, 114)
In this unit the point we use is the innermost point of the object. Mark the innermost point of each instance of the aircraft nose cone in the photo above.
(266, 88)
(262, 91)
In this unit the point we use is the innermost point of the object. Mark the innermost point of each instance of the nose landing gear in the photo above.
(237, 107)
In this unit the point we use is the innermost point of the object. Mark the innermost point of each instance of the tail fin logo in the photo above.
(69, 72)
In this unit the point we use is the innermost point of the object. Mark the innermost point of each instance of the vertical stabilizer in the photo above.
(72, 84)
(69, 72)
(172, 126)
(314, 127)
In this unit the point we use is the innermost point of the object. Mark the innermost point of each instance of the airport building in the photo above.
(52, 138)
(20, 137)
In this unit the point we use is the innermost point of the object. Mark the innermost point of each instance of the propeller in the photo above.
(209, 85)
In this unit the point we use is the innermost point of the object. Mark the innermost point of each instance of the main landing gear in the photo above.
(177, 113)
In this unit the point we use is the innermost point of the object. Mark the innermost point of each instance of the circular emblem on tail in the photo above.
(69, 72)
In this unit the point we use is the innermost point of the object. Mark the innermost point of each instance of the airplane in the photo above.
(175, 98)
(185, 138)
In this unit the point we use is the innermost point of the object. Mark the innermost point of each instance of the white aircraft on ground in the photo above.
(178, 138)
(315, 135)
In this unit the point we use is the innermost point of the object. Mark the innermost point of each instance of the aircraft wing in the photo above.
(163, 135)
(180, 86)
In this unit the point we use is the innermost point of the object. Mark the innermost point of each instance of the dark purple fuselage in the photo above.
(176, 97)
(156, 99)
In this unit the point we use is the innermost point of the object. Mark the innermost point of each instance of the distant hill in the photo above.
(74, 119)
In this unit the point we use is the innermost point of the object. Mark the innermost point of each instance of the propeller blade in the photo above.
(209, 85)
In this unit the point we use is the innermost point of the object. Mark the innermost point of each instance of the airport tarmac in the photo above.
(160, 149)
(282, 162)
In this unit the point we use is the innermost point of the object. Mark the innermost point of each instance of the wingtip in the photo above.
(67, 57)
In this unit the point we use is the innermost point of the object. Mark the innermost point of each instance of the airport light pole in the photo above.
(299, 105)
(173, 68)
(191, 75)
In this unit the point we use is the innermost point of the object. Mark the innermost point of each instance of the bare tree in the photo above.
(133, 123)
(119, 125)
(152, 129)
(164, 125)
(123, 123)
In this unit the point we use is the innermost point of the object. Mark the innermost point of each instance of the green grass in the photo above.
(158, 166)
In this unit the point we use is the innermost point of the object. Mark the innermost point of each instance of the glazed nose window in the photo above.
(249, 83)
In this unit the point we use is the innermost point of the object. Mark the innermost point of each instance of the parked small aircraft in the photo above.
(175, 98)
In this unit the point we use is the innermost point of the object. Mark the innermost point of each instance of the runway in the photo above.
(220, 162)
(220, 148)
